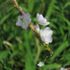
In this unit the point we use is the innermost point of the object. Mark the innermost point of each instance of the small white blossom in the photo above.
(42, 21)
(46, 35)
(37, 28)
(40, 64)
(23, 21)
(63, 68)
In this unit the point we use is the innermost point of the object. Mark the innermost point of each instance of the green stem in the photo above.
(38, 51)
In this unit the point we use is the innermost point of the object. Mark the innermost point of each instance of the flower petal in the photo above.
(46, 35)
(23, 21)
(42, 21)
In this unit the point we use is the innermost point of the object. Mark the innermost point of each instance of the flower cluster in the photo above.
(45, 33)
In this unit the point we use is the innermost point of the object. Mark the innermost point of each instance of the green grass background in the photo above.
(19, 48)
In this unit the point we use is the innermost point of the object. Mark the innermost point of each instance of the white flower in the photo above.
(46, 35)
(40, 64)
(23, 21)
(42, 21)
(63, 68)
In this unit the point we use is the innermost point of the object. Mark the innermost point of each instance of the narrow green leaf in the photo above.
(3, 55)
(52, 66)
(30, 5)
(50, 8)
(63, 46)
(29, 61)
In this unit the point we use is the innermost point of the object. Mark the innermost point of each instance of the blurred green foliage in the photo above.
(18, 48)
